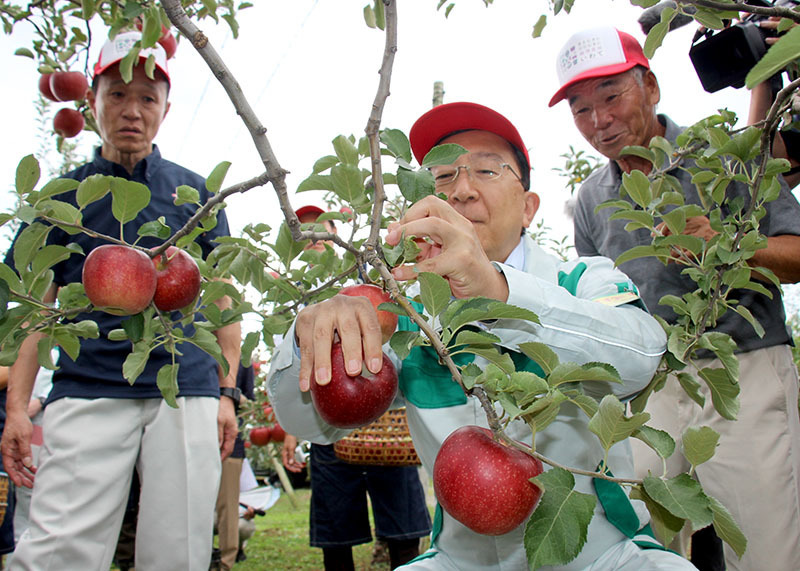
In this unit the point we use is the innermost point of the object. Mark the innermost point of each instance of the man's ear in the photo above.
(530, 207)
(652, 88)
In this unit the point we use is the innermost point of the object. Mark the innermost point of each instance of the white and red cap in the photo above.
(597, 52)
(449, 118)
(117, 48)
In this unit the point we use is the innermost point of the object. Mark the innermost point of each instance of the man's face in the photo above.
(128, 114)
(615, 111)
(318, 245)
(499, 208)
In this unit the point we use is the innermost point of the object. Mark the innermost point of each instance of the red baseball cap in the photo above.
(117, 48)
(309, 209)
(596, 52)
(445, 119)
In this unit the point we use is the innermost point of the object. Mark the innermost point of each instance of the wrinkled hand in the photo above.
(227, 427)
(451, 249)
(699, 226)
(288, 454)
(354, 321)
(16, 448)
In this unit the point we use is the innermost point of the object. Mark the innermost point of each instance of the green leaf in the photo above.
(325, 163)
(57, 186)
(248, 346)
(134, 327)
(656, 35)
(29, 241)
(217, 176)
(347, 183)
(415, 185)
(637, 185)
(317, 182)
(346, 150)
(93, 188)
(726, 527)
(783, 52)
(167, 381)
(470, 337)
(44, 353)
(744, 312)
(157, 228)
(572, 373)
(665, 525)
(634, 253)
(5, 296)
(185, 194)
(610, 424)
(724, 391)
(135, 361)
(207, 341)
(541, 354)
(380, 17)
(556, 532)
(683, 497)
(402, 342)
(128, 198)
(443, 155)
(24, 52)
(699, 444)
(692, 388)
(434, 292)
(369, 17)
(660, 441)
(539, 26)
(397, 142)
(27, 174)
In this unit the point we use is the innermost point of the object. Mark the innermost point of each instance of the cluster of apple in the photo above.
(122, 280)
(61, 86)
(263, 435)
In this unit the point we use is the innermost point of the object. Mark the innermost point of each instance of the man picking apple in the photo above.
(98, 428)
(476, 240)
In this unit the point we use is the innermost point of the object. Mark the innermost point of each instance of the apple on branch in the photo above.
(350, 402)
(376, 296)
(119, 279)
(68, 122)
(44, 87)
(68, 85)
(260, 435)
(483, 483)
(178, 279)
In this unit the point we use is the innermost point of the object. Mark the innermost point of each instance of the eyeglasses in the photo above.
(481, 169)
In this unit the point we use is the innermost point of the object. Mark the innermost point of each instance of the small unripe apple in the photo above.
(376, 296)
(350, 402)
(178, 279)
(68, 85)
(68, 122)
(483, 483)
(44, 87)
(260, 435)
(119, 279)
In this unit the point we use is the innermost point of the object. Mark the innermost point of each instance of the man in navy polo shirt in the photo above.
(98, 428)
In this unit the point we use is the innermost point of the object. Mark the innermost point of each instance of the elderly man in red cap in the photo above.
(612, 93)
(476, 240)
(98, 428)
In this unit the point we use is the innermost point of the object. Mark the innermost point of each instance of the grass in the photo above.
(281, 540)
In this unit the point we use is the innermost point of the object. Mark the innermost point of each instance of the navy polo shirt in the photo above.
(98, 370)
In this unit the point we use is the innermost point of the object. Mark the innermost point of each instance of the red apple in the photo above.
(483, 483)
(44, 87)
(377, 296)
(178, 279)
(119, 279)
(68, 122)
(260, 435)
(168, 42)
(350, 402)
(268, 413)
(68, 85)
(278, 434)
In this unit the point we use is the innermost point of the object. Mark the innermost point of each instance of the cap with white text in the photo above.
(117, 48)
(597, 52)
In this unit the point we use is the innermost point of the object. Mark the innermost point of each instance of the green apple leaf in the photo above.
(724, 391)
(783, 52)
(248, 346)
(683, 497)
(135, 361)
(57, 186)
(217, 176)
(29, 241)
(397, 143)
(572, 372)
(134, 327)
(207, 341)
(726, 527)
(692, 388)
(345, 150)
(68, 341)
(541, 354)
(27, 175)
(665, 526)
(92, 188)
(699, 444)
(157, 228)
(44, 355)
(5, 296)
(128, 198)
(637, 186)
(317, 182)
(185, 194)
(434, 292)
(610, 424)
(167, 381)
(502, 360)
(402, 342)
(442, 155)
(415, 185)
(324, 164)
(539, 26)
(347, 183)
(556, 531)
(470, 337)
(660, 441)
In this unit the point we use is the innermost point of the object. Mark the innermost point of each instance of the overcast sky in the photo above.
(309, 69)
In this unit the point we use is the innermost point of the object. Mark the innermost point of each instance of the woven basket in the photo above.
(385, 442)
(3, 494)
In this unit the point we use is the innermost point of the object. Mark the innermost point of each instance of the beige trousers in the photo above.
(81, 488)
(755, 471)
(228, 512)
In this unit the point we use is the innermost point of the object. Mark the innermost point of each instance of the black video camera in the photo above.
(723, 58)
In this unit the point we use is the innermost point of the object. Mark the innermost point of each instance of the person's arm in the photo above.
(3, 377)
(229, 338)
(16, 441)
